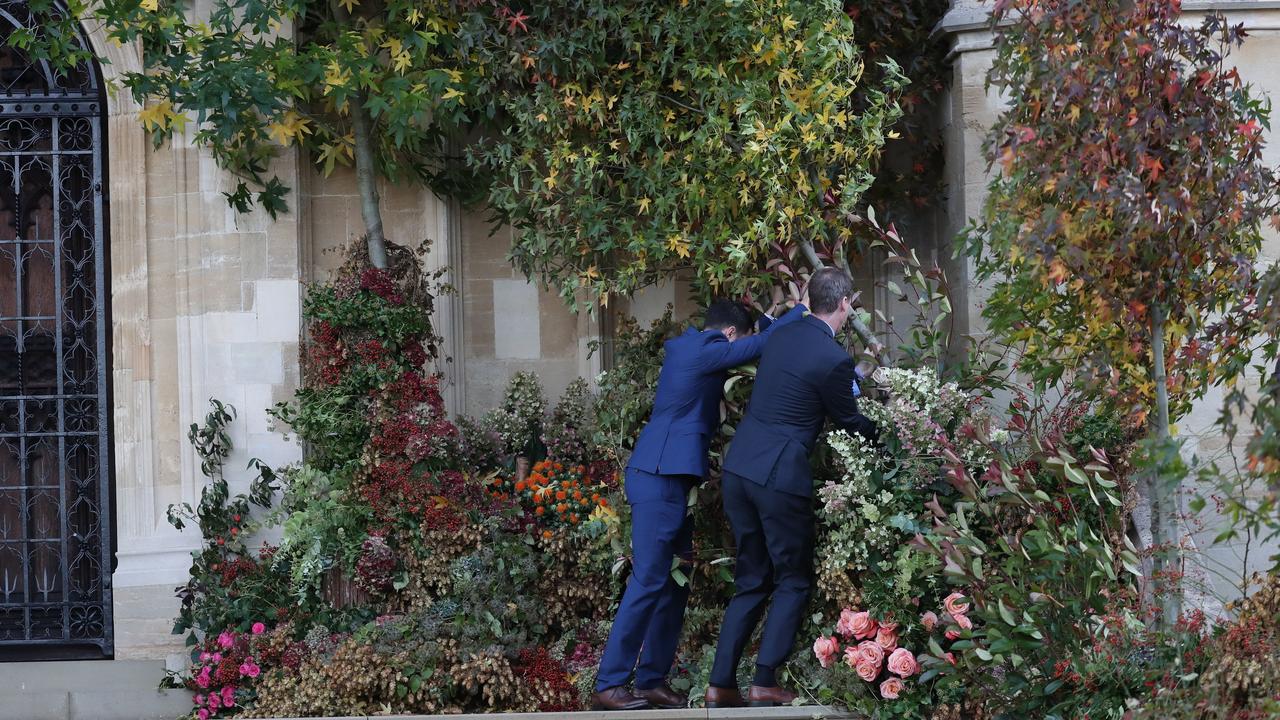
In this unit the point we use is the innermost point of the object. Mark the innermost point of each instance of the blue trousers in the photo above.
(646, 629)
(774, 533)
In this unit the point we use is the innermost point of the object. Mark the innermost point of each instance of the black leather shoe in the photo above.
(663, 697)
(617, 698)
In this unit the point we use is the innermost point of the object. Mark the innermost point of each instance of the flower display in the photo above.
(555, 496)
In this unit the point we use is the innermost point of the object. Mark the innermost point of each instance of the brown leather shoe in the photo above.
(663, 697)
(723, 697)
(769, 696)
(617, 698)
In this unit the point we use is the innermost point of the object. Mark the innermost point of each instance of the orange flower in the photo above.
(595, 497)
(561, 508)
(582, 469)
(561, 495)
(539, 510)
(558, 466)
(604, 502)
(577, 494)
(585, 501)
(546, 534)
(520, 486)
(574, 518)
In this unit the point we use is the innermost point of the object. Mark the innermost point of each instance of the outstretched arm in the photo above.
(839, 395)
(724, 355)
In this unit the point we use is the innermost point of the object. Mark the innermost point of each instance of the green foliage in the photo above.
(518, 420)
(230, 585)
(251, 86)
(569, 429)
(1131, 196)
(648, 137)
(1039, 569)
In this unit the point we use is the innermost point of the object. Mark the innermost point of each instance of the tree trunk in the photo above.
(868, 338)
(367, 182)
(1164, 499)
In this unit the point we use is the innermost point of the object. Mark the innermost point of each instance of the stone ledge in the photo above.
(801, 712)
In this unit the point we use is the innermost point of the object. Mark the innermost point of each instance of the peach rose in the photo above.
(890, 688)
(861, 626)
(929, 620)
(949, 658)
(956, 604)
(826, 649)
(851, 656)
(868, 651)
(963, 621)
(952, 634)
(887, 637)
(903, 663)
(867, 671)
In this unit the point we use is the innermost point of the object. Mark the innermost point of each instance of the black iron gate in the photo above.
(55, 474)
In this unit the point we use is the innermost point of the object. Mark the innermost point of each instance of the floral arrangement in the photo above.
(555, 496)
(225, 672)
(570, 426)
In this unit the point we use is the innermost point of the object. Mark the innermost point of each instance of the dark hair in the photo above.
(827, 287)
(723, 314)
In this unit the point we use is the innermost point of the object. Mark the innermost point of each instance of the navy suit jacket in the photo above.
(686, 408)
(804, 377)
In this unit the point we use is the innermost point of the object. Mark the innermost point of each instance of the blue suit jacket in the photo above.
(804, 377)
(686, 408)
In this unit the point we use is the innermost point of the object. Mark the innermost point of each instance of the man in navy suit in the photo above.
(804, 377)
(670, 457)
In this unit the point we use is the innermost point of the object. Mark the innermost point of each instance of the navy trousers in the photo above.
(647, 627)
(774, 533)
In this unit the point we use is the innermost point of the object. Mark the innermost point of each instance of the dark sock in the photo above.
(765, 677)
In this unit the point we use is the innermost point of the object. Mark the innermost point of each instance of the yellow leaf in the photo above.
(550, 180)
(789, 24)
(157, 116)
(454, 93)
(150, 5)
(349, 4)
(644, 205)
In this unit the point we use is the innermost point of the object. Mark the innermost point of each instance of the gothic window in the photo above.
(55, 470)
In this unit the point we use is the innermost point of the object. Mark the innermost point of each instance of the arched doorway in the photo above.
(55, 483)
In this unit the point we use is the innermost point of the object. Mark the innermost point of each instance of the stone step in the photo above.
(88, 690)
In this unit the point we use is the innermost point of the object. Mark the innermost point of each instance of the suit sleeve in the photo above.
(841, 403)
(724, 355)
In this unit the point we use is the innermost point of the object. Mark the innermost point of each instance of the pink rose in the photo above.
(963, 621)
(949, 658)
(244, 668)
(952, 634)
(887, 638)
(861, 626)
(929, 620)
(826, 649)
(226, 639)
(870, 653)
(844, 625)
(215, 701)
(204, 657)
(202, 680)
(228, 696)
(956, 604)
(254, 670)
(202, 714)
(199, 699)
(259, 628)
(903, 663)
(867, 671)
(851, 656)
(890, 688)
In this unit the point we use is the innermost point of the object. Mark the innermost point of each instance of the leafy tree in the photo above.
(378, 84)
(649, 137)
(1128, 212)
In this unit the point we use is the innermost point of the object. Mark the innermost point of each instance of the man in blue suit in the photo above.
(804, 377)
(670, 457)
